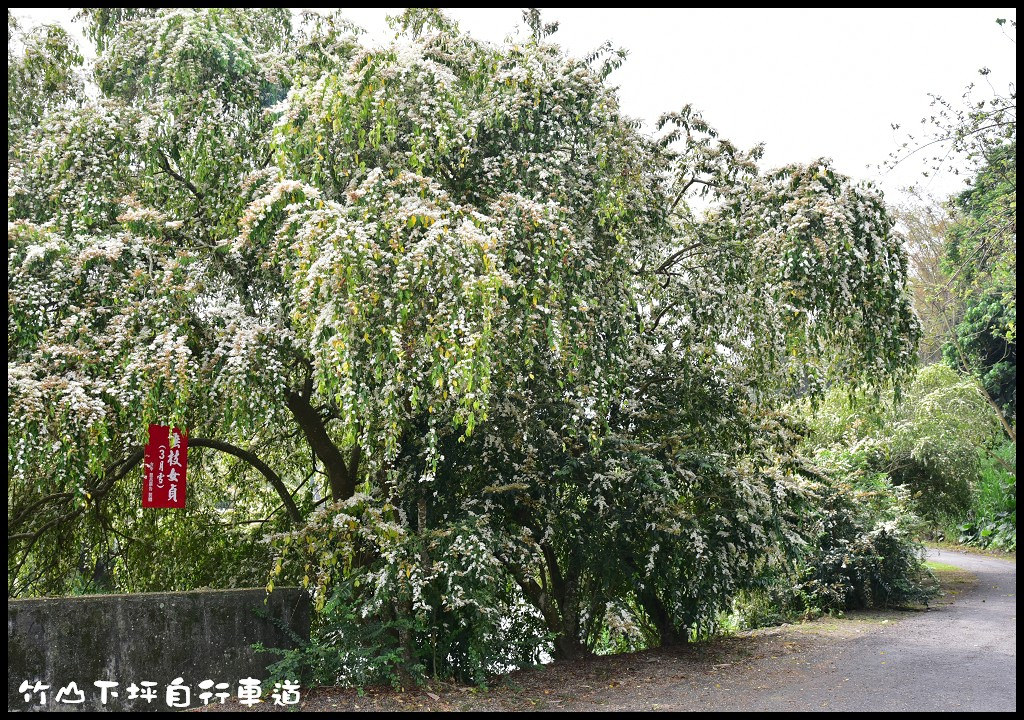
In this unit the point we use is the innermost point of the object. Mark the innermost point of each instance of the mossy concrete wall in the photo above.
(197, 636)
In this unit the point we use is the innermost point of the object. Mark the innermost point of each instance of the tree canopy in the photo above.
(506, 354)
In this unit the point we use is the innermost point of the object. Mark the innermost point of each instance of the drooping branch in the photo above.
(119, 469)
(271, 476)
(178, 176)
(111, 475)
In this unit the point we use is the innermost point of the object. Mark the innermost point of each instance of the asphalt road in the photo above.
(961, 656)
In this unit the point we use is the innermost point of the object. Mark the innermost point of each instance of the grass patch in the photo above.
(940, 567)
(952, 581)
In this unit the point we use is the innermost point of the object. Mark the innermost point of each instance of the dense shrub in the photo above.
(861, 550)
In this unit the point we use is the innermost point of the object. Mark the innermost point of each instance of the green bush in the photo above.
(347, 649)
(394, 607)
(777, 600)
(992, 519)
(861, 552)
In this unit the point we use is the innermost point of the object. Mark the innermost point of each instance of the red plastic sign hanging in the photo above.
(166, 457)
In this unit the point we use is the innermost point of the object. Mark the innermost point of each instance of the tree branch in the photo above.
(271, 476)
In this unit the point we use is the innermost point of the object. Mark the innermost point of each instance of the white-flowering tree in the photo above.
(466, 321)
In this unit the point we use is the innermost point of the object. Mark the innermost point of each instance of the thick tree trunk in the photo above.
(568, 648)
(341, 480)
(563, 625)
(569, 644)
(667, 631)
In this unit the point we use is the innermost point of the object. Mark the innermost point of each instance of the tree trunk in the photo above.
(569, 648)
(667, 631)
(341, 481)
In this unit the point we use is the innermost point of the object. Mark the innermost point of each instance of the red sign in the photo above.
(166, 457)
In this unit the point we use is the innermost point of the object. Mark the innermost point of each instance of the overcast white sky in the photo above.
(808, 83)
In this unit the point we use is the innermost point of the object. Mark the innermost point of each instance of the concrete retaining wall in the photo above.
(156, 637)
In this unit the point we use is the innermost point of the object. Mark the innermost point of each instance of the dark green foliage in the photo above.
(981, 245)
(992, 519)
(986, 339)
(348, 649)
(862, 552)
(981, 260)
